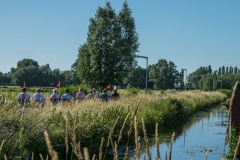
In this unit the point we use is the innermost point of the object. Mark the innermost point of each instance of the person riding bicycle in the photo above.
(66, 96)
(55, 97)
(80, 95)
(38, 98)
(23, 98)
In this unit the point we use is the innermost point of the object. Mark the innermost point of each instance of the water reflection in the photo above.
(205, 131)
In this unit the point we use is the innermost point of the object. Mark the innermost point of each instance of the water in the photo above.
(204, 131)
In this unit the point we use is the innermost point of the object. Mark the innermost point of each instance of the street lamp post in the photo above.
(203, 80)
(185, 78)
(146, 68)
(221, 83)
(213, 83)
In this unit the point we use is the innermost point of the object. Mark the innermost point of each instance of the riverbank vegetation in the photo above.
(93, 124)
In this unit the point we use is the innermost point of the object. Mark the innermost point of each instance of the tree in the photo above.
(235, 70)
(163, 74)
(194, 78)
(46, 75)
(227, 70)
(109, 52)
(136, 78)
(75, 80)
(5, 77)
(231, 70)
(223, 70)
(23, 74)
(27, 62)
(219, 71)
(56, 77)
(27, 70)
(209, 69)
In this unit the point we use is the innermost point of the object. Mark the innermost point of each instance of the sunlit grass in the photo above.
(89, 121)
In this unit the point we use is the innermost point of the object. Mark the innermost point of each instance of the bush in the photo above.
(133, 90)
(225, 91)
(74, 89)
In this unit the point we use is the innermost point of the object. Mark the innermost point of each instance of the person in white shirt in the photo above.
(66, 96)
(94, 92)
(90, 95)
(80, 95)
(23, 99)
(38, 98)
(55, 97)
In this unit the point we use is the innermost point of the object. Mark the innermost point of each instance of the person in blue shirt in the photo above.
(66, 96)
(38, 98)
(104, 95)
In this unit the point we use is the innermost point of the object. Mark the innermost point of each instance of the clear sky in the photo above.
(190, 33)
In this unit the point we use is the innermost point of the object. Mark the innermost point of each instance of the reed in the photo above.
(101, 149)
(206, 155)
(157, 142)
(171, 144)
(137, 144)
(52, 153)
(1, 146)
(146, 139)
(90, 121)
(86, 154)
(230, 112)
(236, 150)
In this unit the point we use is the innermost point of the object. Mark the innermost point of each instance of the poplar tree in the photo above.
(112, 41)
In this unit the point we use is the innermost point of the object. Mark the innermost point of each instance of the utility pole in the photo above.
(203, 80)
(185, 79)
(213, 83)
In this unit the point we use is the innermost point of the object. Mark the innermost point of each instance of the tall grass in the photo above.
(71, 127)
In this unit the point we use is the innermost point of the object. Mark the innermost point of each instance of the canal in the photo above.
(202, 132)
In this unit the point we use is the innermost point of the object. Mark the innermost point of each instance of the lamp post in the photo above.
(146, 68)
(203, 80)
(213, 83)
(221, 83)
(185, 78)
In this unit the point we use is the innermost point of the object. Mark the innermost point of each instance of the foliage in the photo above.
(163, 74)
(23, 74)
(136, 78)
(74, 89)
(224, 77)
(29, 71)
(234, 136)
(109, 52)
(5, 77)
(225, 91)
(133, 90)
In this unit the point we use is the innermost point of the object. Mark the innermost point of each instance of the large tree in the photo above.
(109, 52)
(163, 74)
(30, 75)
(137, 78)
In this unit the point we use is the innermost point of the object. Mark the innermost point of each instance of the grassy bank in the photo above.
(71, 126)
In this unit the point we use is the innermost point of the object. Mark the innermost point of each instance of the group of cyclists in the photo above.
(38, 99)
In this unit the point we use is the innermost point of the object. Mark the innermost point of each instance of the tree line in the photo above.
(33, 74)
(204, 78)
(162, 75)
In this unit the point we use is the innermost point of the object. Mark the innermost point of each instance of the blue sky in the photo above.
(189, 33)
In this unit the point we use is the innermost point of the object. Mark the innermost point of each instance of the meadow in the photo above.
(87, 128)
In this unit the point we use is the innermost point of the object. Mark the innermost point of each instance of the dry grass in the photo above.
(62, 128)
